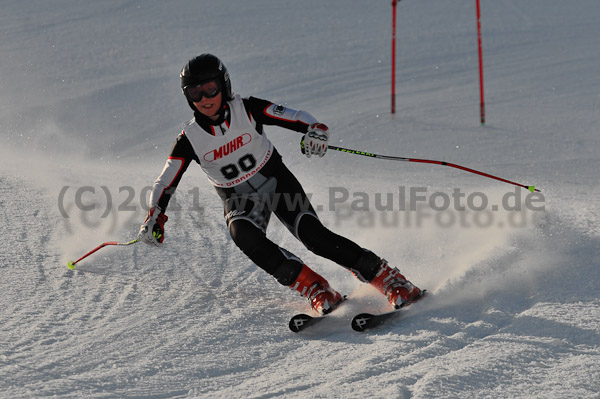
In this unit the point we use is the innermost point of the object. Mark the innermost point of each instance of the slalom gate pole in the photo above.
(392, 158)
(482, 102)
(394, 4)
(71, 264)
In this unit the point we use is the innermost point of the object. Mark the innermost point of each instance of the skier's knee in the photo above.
(245, 235)
(255, 245)
(263, 252)
(313, 234)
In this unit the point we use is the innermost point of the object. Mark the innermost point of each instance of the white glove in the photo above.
(152, 232)
(316, 139)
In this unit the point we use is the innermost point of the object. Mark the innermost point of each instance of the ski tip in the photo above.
(361, 322)
(299, 322)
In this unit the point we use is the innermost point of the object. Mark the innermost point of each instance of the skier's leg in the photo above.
(323, 242)
(300, 218)
(247, 218)
(287, 269)
(278, 262)
(367, 266)
(296, 212)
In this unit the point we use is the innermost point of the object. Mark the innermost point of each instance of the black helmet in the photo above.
(203, 67)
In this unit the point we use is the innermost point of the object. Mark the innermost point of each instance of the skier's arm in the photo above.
(266, 113)
(152, 230)
(317, 134)
(164, 187)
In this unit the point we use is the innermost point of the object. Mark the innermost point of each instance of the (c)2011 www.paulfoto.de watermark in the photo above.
(408, 207)
(415, 207)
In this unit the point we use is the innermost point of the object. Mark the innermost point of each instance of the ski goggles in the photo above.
(208, 89)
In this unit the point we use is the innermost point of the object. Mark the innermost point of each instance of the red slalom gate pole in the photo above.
(482, 102)
(394, 3)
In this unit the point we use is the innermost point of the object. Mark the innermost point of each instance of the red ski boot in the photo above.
(398, 290)
(317, 290)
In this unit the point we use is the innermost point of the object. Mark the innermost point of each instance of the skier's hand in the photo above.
(315, 140)
(152, 232)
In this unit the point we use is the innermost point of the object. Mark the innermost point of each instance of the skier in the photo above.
(226, 137)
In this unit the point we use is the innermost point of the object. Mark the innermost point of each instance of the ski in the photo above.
(302, 321)
(365, 321)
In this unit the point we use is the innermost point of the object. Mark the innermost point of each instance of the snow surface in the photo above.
(90, 101)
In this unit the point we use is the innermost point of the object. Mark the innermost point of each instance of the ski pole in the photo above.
(452, 165)
(71, 264)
